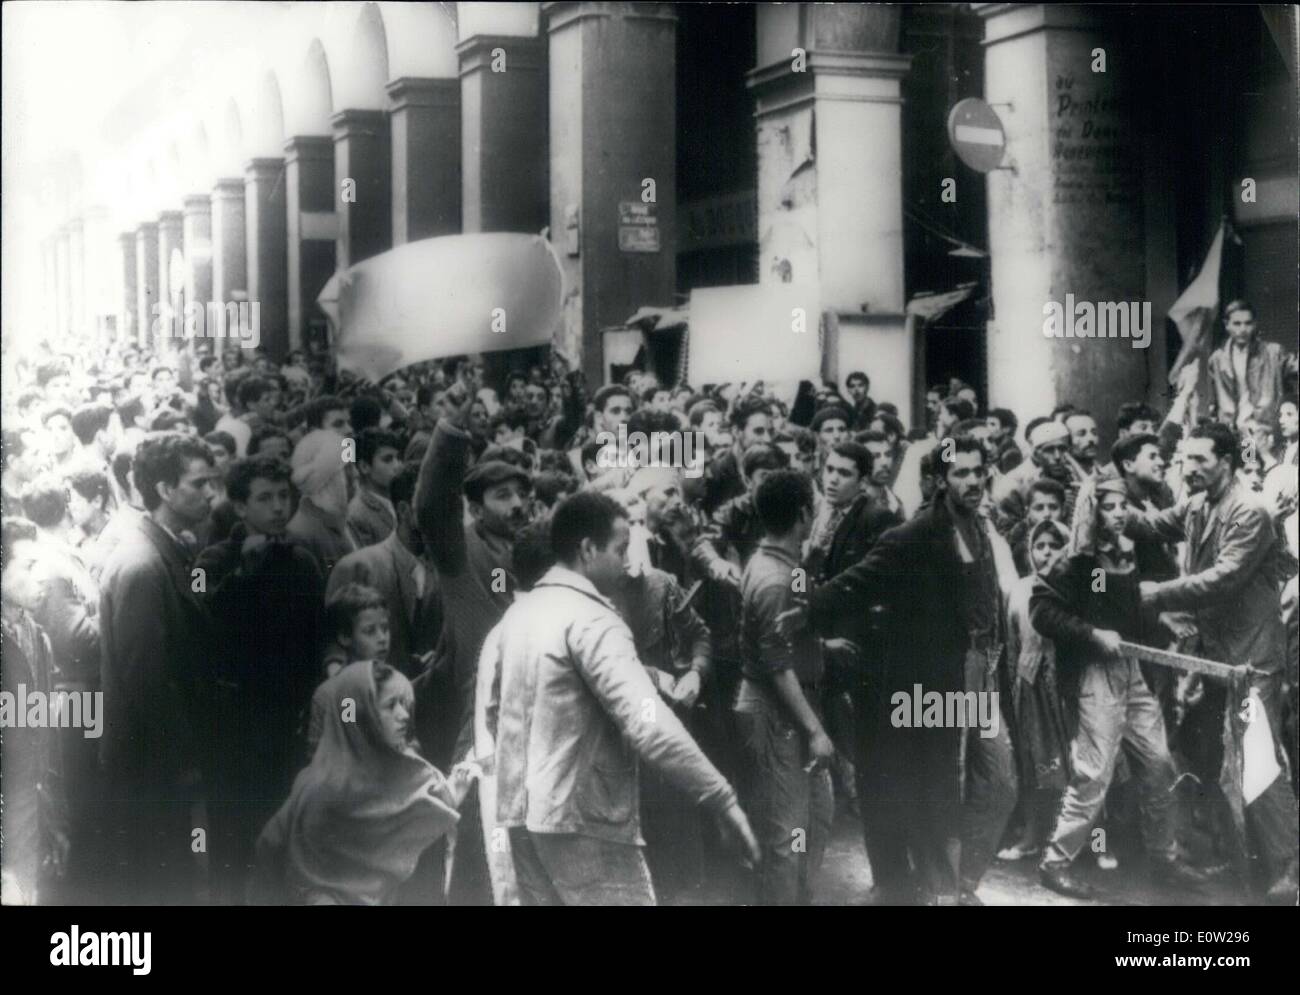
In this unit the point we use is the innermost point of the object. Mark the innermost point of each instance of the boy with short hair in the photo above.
(371, 514)
(356, 618)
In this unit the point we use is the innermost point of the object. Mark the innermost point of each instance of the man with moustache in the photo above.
(940, 579)
(1233, 566)
(1083, 444)
(1049, 444)
(265, 596)
(911, 481)
(476, 575)
(154, 632)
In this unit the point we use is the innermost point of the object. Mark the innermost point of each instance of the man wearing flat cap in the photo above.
(475, 571)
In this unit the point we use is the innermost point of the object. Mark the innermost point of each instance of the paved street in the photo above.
(846, 880)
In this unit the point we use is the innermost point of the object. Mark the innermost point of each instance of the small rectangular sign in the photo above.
(633, 212)
(638, 238)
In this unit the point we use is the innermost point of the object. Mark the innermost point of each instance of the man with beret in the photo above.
(475, 571)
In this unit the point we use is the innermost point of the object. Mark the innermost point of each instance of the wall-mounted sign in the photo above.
(975, 132)
(638, 227)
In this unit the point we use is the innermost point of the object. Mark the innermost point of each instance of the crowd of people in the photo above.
(432, 640)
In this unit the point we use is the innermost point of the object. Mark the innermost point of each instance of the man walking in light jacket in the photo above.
(571, 709)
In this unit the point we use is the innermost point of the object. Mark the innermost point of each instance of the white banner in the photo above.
(442, 297)
(755, 332)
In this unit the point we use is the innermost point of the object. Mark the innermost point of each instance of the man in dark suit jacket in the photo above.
(154, 630)
(941, 579)
(397, 569)
(858, 516)
(266, 595)
(1233, 567)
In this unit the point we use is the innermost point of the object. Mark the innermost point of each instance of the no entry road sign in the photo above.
(976, 135)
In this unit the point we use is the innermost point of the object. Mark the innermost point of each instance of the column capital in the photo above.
(309, 148)
(522, 52)
(197, 203)
(418, 91)
(1004, 21)
(870, 77)
(145, 228)
(561, 14)
(358, 121)
(127, 238)
(170, 219)
(262, 168)
(228, 188)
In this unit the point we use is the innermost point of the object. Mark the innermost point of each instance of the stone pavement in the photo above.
(846, 880)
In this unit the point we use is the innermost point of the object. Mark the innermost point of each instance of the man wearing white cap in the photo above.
(1049, 444)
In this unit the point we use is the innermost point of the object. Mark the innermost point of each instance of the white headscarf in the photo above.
(319, 474)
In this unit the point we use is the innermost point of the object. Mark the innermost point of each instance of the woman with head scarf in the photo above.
(1040, 733)
(367, 806)
(320, 523)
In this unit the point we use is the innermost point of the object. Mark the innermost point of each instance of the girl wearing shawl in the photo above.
(1042, 735)
(367, 806)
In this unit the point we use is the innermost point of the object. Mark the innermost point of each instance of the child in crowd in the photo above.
(357, 620)
(1040, 732)
(365, 809)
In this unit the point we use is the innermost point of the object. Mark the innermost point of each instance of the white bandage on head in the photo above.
(1048, 431)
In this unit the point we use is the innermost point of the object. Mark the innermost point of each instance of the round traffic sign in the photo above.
(976, 134)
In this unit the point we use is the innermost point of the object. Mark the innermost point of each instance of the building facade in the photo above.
(667, 147)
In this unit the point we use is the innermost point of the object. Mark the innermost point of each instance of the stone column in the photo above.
(129, 307)
(62, 287)
(146, 286)
(229, 261)
(828, 109)
(268, 261)
(613, 143)
(197, 237)
(77, 276)
(1069, 219)
(101, 271)
(49, 285)
(503, 133)
(363, 154)
(312, 227)
(425, 119)
(171, 227)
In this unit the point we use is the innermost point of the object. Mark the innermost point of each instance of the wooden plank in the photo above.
(1182, 661)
